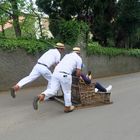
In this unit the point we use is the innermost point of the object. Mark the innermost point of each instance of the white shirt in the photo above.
(50, 58)
(69, 63)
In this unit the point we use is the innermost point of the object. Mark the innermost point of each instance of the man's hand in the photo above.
(78, 72)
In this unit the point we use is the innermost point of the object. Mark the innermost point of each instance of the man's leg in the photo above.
(66, 81)
(49, 92)
(47, 74)
(31, 77)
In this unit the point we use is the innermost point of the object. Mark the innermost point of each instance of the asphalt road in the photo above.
(117, 121)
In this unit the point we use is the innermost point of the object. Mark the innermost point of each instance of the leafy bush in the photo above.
(31, 46)
(68, 31)
(9, 33)
(95, 48)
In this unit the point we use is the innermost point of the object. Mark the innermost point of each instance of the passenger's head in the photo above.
(89, 72)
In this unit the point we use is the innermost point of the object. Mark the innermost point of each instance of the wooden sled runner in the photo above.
(84, 95)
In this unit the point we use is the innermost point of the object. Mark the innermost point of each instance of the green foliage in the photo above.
(102, 27)
(136, 39)
(69, 31)
(134, 52)
(9, 33)
(96, 48)
(48, 6)
(27, 27)
(31, 46)
(95, 13)
(115, 20)
(3, 15)
(127, 22)
(64, 9)
(54, 27)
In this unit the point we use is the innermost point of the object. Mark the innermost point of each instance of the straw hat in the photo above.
(59, 45)
(76, 49)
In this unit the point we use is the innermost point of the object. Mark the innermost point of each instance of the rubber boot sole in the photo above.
(13, 94)
(35, 103)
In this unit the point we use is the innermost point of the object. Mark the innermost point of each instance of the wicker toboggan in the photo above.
(83, 94)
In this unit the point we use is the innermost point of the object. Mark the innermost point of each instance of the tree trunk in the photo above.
(40, 26)
(2, 27)
(15, 17)
(16, 26)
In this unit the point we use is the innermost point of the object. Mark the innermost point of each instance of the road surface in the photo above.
(117, 121)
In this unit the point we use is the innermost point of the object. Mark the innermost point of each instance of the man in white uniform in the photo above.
(47, 60)
(62, 76)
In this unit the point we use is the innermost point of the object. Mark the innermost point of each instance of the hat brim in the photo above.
(76, 51)
(60, 47)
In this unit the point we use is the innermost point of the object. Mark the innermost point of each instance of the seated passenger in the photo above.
(98, 87)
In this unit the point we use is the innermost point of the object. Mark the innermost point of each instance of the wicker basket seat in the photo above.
(84, 94)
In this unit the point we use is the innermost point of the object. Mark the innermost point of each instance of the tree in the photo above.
(2, 19)
(104, 13)
(11, 9)
(15, 16)
(65, 9)
(112, 19)
(127, 22)
(97, 13)
(4, 16)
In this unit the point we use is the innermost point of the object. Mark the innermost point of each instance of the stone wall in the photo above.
(18, 64)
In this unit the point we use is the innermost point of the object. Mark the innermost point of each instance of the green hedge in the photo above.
(95, 48)
(31, 46)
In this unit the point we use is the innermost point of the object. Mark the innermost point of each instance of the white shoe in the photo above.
(96, 90)
(108, 89)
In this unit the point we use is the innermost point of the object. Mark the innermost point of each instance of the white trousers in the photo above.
(36, 72)
(63, 80)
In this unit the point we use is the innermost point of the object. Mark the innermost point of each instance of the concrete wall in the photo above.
(17, 64)
(14, 66)
(103, 66)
